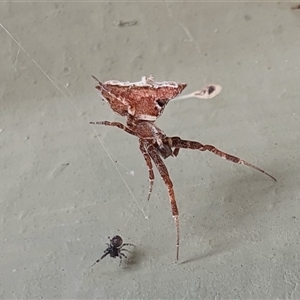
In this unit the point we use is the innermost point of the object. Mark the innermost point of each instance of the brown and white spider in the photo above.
(142, 103)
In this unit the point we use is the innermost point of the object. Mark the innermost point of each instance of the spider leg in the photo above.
(150, 167)
(120, 255)
(115, 124)
(177, 142)
(98, 260)
(128, 244)
(106, 253)
(163, 171)
(176, 151)
(123, 249)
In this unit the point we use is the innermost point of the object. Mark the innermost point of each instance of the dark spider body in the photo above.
(142, 103)
(115, 248)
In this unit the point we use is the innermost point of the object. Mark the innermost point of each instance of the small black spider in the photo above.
(115, 248)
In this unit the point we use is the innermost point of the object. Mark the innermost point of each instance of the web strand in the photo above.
(73, 104)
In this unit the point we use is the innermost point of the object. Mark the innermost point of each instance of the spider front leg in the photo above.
(177, 142)
(98, 260)
(163, 171)
(150, 167)
(115, 124)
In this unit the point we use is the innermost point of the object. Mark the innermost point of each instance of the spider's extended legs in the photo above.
(177, 142)
(150, 167)
(120, 255)
(127, 244)
(98, 260)
(168, 182)
(115, 124)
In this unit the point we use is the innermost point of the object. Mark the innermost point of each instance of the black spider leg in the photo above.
(98, 260)
(124, 249)
(128, 244)
(120, 255)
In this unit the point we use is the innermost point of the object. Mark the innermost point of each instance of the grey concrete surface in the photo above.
(66, 186)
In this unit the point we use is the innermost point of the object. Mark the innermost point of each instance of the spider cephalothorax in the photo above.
(142, 103)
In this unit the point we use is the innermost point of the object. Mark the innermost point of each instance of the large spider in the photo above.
(142, 103)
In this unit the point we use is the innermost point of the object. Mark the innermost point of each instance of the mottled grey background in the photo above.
(61, 194)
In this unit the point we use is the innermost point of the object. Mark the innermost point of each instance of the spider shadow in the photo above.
(239, 199)
(134, 257)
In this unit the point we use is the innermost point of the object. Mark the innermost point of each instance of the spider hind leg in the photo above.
(177, 142)
(150, 168)
(163, 171)
(120, 255)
